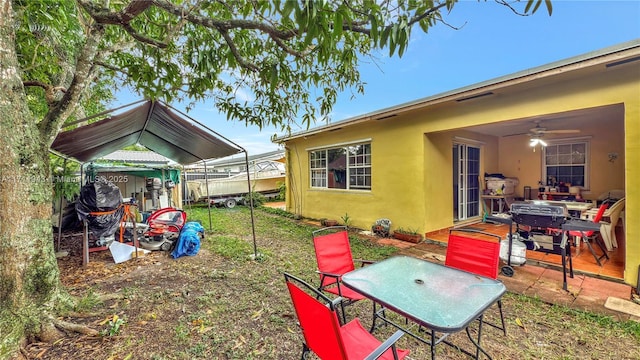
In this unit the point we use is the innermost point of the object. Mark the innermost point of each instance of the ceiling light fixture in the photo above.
(536, 141)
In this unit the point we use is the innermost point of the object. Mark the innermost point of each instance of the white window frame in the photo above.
(572, 141)
(358, 167)
(318, 169)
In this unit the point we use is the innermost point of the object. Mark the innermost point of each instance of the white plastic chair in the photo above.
(608, 228)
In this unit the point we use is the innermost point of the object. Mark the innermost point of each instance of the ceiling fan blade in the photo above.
(565, 131)
(518, 134)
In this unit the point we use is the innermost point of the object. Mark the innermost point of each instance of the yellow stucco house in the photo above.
(422, 164)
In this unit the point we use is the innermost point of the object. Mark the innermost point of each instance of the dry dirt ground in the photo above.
(220, 306)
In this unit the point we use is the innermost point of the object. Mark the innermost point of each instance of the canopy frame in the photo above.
(160, 128)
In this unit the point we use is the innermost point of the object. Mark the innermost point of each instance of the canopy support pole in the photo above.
(206, 183)
(246, 160)
(185, 189)
(253, 228)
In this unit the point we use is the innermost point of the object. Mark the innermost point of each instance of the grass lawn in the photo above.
(222, 304)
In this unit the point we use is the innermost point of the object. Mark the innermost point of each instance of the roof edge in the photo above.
(475, 90)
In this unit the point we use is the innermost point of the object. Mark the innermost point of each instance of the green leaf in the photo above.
(403, 43)
(337, 25)
(374, 27)
(538, 2)
(288, 8)
(528, 6)
(549, 6)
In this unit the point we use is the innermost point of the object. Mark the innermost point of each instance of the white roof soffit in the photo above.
(151, 124)
(607, 57)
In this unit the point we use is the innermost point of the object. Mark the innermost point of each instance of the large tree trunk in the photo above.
(29, 276)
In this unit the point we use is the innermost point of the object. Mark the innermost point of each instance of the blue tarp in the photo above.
(189, 240)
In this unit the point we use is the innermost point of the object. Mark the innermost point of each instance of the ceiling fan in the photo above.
(537, 133)
(539, 130)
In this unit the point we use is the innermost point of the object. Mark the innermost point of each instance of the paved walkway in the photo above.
(584, 292)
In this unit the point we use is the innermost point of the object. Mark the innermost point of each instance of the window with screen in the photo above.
(343, 167)
(566, 162)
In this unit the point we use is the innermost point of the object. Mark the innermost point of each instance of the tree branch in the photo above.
(49, 90)
(234, 50)
(505, 3)
(418, 18)
(225, 24)
(123, 18)
(108, 17)
(143, 39)
(288, 49)
(110, 67)
(58, 114)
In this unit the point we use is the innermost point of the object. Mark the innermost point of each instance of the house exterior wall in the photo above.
(412, 156)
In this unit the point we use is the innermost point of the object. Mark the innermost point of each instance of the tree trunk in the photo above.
(29, 276)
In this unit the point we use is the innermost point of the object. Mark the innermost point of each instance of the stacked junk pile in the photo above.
(107, 217)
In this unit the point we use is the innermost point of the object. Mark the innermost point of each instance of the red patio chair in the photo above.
(325, 336)
(475, 255)
(587, 236)
(333, 254)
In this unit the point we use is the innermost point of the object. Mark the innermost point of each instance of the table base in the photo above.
(433, 340)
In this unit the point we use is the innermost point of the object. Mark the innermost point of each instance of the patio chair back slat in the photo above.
(333, 254)
(319, 324)
(478, 256)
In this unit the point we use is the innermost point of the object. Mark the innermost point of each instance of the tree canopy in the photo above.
(261, 62)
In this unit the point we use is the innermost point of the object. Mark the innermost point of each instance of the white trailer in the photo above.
(264, 178)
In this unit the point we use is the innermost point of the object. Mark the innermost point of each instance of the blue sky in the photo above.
(492, 41)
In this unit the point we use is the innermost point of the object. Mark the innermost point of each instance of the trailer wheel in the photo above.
(230, 203)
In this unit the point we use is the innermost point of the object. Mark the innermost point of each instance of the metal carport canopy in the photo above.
(151, 124)
(156, 127)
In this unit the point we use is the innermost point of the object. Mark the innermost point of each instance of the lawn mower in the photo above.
(163, 229)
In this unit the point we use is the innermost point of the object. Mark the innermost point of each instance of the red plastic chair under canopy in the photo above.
(325, 336)
(475, 255)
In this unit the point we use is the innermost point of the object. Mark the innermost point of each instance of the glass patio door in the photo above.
(466, 186)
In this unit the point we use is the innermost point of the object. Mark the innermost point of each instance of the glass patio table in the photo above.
(439, 298)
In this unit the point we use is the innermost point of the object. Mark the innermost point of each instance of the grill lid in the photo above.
(539, 214)
(539, 208)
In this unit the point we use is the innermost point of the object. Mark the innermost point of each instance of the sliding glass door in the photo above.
(466, 185)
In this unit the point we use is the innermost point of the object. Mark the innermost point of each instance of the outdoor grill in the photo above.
(539, 215)
(545, 222)
(540, 218)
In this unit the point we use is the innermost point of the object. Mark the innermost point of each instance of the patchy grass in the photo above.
(220, 304)
(88, 302)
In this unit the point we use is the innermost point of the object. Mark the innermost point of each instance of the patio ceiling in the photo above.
(576, 119)
(151, 124)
